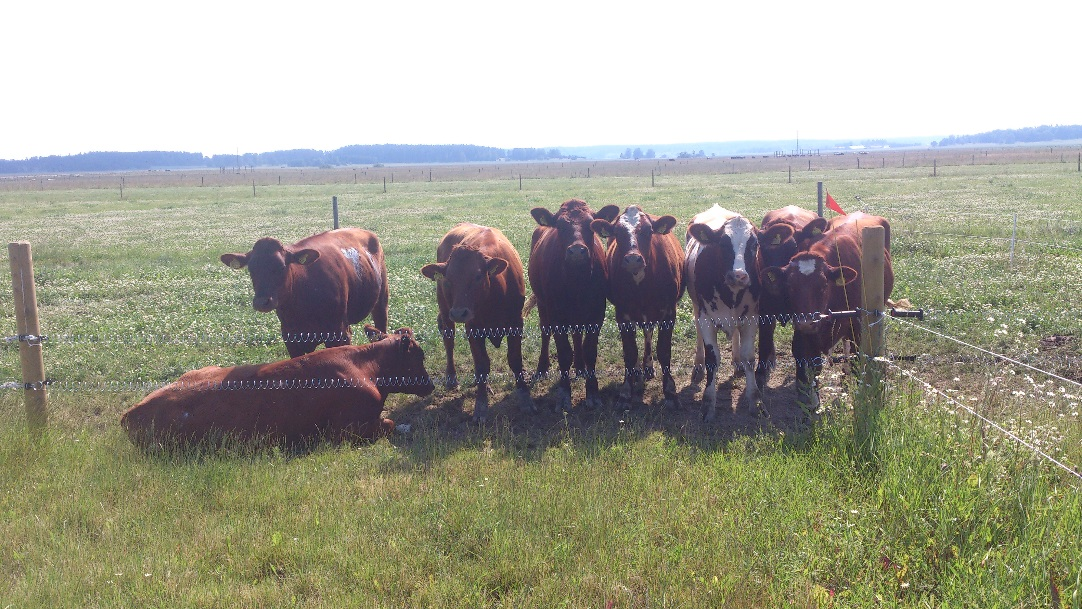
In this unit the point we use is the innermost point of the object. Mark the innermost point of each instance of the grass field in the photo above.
(594, 509)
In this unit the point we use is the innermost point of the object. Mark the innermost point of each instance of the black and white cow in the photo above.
(723, 282)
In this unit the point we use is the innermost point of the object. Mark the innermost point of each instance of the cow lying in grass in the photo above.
(332, 394)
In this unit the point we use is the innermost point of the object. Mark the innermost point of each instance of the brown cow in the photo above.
(645, 264)
(567, 274)
(480, 283)
(825, 278)
(319, 286)
(784, 232)
(334, 394)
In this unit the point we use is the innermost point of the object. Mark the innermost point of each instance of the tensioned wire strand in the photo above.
(1073, 471)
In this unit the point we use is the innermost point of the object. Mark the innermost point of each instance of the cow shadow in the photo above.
(441, 425)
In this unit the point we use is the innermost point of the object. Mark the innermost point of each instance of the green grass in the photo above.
(650, 509)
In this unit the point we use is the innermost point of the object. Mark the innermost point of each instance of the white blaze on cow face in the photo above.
(739, 231)
(629, 222)
(806, 267)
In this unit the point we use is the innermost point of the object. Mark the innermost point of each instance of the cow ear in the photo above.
(602, 227)
(664, 225)
(776, 235)
(773, 280)
(235, 261)
(609, 212)
(842, 275)
(543, 216)
(701, 232)
(814, 229)
(434, 271)
(405, 337)
(304, 257)
(495, 266)
(373, 333)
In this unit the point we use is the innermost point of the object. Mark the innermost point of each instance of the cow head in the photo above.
(632, 232)
(808, 280)
(572, 223)
(734, 245)
(465, 277)
(268, 263)
(406, 373)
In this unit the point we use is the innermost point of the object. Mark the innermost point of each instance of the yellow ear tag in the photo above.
(235, 264)
(770, 277)
(777, 240)
(840, 280)
(817, 231)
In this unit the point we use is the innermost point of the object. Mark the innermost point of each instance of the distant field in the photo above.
(650, 508)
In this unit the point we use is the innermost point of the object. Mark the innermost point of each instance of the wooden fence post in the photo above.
(334, 210)
(29, 331)
(820, 199)
(870, 396)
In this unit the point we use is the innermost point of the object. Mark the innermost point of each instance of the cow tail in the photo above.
(530, 305)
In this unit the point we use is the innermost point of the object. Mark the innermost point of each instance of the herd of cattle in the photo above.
(741, 279)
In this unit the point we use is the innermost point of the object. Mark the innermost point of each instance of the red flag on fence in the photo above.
(832, 204)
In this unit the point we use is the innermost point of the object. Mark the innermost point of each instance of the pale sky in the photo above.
(225, 76)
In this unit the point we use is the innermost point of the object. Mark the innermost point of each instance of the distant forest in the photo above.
(1044, 133)
(348, 155)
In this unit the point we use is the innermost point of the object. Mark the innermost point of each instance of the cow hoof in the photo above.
(594, 403)
(709, 414)
(762, 377)
(672, 402)
(525, 400)
(480, 419)
(698, 373)
(451, 382)
(563, 401)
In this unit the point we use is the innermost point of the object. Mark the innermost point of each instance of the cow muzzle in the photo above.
(737, 279)
(577, 254)
(264, 304)
(634, 263)
(460, 315)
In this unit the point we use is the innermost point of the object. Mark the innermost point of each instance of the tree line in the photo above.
(348, 155)
(1044, 133)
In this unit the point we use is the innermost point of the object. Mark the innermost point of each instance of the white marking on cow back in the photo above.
(354, 257)
(806, 267)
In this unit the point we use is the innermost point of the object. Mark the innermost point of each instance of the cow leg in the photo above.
(543, 362)
(710, 363)
(563, 359)
(379, 310)
(580, 365)
(482, 365)
(745, 359)
(808, 365)
(447, 331)
(514, 362)
(593, 399)
(344, 336)
(299, 343)
(664, 357)
(632, 375)
(767, 352)
(698, 371)
(375, 429)
(648, 354)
